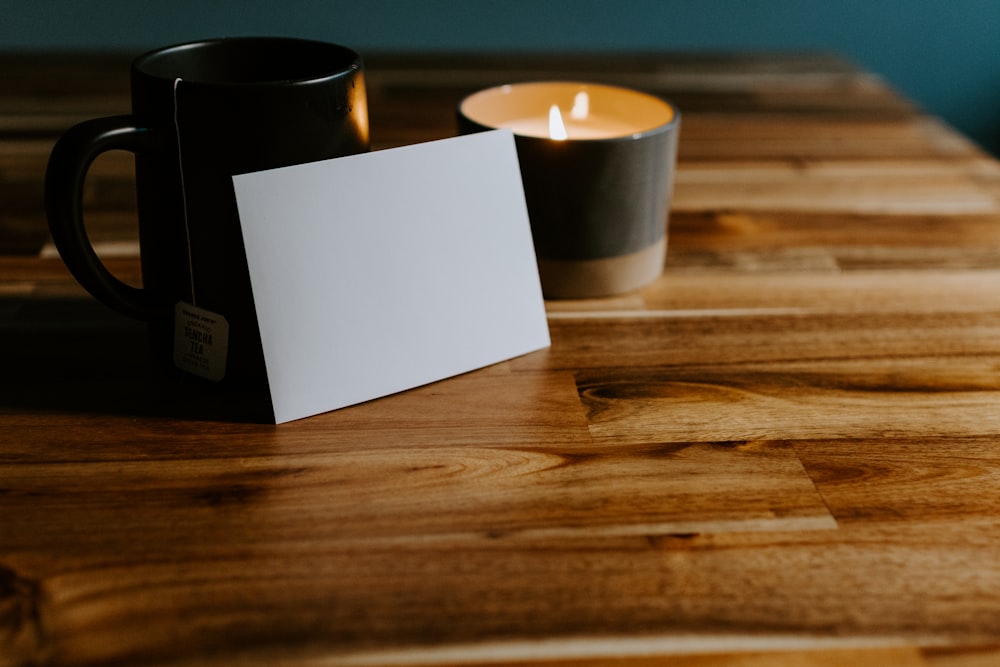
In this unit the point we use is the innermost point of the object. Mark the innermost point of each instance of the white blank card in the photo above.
(380, 272)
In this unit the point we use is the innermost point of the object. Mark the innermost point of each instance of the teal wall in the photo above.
(944, 54)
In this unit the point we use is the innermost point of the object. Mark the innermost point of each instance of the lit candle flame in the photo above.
(581, 106)
(557, 129)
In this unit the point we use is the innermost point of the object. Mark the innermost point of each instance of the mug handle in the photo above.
(69, 162)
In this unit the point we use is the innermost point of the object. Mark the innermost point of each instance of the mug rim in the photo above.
(147, 63)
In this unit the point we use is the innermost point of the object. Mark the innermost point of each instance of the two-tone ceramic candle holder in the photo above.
(597, 165)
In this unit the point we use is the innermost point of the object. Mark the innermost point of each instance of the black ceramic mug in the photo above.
(201, 113)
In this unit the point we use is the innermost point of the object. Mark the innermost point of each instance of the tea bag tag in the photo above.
(201, 341)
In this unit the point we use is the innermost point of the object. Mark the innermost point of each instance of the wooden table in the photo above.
(785, 451)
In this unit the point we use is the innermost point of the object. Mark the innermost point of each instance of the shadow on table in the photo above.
(76, 355)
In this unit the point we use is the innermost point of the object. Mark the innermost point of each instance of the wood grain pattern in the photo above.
(782, 452)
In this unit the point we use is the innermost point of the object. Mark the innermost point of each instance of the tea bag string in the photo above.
(184, 204)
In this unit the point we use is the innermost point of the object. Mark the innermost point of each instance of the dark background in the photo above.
(944, 55)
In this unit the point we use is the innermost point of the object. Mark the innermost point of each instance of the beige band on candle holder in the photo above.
(590, 278)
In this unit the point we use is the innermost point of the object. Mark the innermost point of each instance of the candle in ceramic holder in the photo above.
(597, 164)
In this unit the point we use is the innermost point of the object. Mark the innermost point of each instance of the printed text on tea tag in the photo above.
(201, 341)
